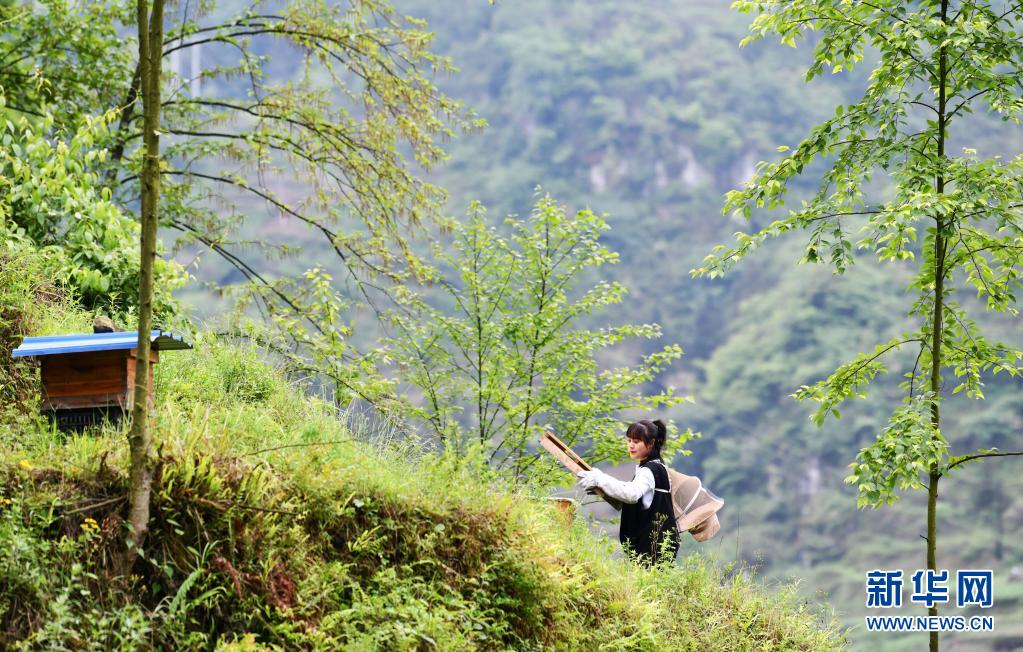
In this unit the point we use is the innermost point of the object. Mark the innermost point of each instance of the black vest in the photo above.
(643, 530)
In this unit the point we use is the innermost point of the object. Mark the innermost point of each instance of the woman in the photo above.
(648, 522)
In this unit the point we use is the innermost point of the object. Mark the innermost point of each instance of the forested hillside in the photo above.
(651, 112)
(281, 522)
(333, 185)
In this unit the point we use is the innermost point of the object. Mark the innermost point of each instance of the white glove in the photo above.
(590, 479)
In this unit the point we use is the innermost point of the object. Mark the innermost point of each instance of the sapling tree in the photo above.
(893, 187)
(140, 440)
(506, 349)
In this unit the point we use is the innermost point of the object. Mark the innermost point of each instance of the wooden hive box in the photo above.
(89, 378)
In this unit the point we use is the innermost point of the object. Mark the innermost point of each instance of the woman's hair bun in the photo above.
(662, 430)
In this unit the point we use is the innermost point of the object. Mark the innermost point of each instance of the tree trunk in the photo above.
(937, 328)
(140, 437)
(932, 548)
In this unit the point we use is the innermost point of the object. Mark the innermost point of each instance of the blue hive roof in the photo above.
(81, 343)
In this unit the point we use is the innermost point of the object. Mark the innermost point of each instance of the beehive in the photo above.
(88, 378)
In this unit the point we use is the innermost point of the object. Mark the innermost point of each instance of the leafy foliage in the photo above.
(977, 229)
(509, 355)
(52, 201)
(63, 59)
(908, 449)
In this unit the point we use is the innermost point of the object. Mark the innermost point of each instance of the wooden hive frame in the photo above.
(572, 462)
(94, 379)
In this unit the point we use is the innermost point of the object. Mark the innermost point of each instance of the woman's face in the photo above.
(639, 450)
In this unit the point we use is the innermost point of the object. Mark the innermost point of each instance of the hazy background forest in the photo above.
(649, 113)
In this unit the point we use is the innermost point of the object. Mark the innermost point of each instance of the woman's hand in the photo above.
(590, 479)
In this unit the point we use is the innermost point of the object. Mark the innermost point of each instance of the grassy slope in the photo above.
(277, 524)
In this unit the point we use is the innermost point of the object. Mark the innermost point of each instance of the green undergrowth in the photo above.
(30, 304)
(279, 522)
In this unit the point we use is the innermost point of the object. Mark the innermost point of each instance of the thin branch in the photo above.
(968, 458)
(332, 442)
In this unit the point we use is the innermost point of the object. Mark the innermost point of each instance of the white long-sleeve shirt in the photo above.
(640, 488)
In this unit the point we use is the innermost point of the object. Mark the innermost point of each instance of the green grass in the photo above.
(279, 523)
